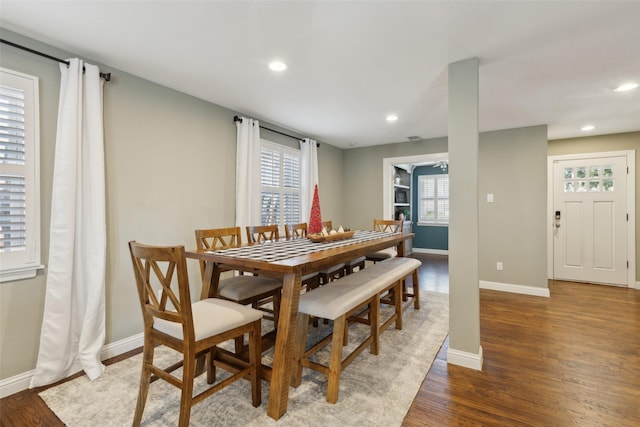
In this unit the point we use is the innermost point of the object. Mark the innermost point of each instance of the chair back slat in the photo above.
(162, 270)
(328, 225)
(217, 238)
(262, 233)
(293, 231)
(387, 225)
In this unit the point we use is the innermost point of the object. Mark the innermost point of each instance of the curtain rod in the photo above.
(239, 119)
(105, 76)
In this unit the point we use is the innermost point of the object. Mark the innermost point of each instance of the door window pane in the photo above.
(568, 173)
(582, 186)
(581, 172)
(569, 187)
(607, 171)
(594, 172)
(607, 185)
(594, 185)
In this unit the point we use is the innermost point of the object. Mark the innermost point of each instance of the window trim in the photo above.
(28, 266)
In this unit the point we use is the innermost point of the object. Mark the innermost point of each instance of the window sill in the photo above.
(20, 273)
(431, 224)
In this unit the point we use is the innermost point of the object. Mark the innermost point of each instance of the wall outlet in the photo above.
(499, 266)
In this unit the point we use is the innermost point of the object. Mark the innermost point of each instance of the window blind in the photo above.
(280, 184)
(12, 178)
(433, 199)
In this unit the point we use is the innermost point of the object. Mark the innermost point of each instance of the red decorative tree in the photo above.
(315, 219)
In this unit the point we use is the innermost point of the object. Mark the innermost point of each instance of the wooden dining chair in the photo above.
(294, 231)
(244, 288)
(299, 231)
(192, 329)
(349, 267)
(387, 226)
(335, 271)
(262, 233)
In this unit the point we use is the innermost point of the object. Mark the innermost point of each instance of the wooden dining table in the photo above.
(289, 260)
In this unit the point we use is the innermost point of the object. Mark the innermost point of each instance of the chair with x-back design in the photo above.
(387, 226)
(244, 288)
(193, 329)
(262, 233)
(299, 231)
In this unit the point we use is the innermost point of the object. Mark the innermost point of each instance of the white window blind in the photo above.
(433, 199)
(19, 178)
(280, 184)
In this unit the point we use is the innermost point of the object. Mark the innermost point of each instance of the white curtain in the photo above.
(73, 328)
(308, 176)
(248, 173)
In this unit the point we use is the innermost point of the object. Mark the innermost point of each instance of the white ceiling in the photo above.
(352, 63)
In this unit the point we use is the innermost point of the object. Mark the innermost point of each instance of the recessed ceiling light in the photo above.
(625, 87)
(588, 128)
(277, 66)
(392, 118)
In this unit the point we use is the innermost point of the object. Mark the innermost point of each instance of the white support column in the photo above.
(464, 293)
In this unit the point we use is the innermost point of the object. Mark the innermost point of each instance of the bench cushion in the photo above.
(393, 269)
(333, 300)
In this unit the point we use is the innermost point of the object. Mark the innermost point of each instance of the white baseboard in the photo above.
(637, 285)
(431, 251)
(465, 359)
(21, 381)
(516, 289)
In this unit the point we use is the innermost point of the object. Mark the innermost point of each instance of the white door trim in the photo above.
(631, 207)
(388, 173)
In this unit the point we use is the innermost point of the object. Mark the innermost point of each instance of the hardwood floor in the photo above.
(569, 360)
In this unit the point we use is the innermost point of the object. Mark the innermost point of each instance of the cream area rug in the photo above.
(374, 390)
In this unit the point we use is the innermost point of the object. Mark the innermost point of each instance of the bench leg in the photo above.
(397, 300)
(335, 367)
(374, 322)
(299, 348)
(416, 290)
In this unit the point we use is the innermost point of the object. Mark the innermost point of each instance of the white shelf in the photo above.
(402, 204)
(401, 186)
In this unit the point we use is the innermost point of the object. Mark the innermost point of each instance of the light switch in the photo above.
(490, 198)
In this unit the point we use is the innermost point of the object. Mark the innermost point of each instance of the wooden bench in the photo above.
(340, 300)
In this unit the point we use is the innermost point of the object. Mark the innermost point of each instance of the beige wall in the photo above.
(363, 178)
(170, 168)
(600, 143)
(511, 230)
(513, 167)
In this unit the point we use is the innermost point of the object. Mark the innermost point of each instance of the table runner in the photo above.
(283, 249)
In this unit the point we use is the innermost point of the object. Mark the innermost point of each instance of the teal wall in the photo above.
(427, 237)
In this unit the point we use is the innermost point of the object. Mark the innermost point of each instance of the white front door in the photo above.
(590, 220)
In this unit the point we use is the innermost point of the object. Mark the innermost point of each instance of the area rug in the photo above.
(374, 390)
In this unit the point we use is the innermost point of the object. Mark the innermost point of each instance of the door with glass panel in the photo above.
(590, 220)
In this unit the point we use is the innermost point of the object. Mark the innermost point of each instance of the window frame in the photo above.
(282, 190)
(17, 265)
(437, 222)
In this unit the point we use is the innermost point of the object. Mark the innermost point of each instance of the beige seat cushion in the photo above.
(211, 316)
(357, 261)
(240, 288)
(383, 254)
(333, 269)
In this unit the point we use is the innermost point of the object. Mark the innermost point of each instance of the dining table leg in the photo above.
(283, 355)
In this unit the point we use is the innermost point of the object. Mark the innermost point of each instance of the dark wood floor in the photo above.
(569, 360)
